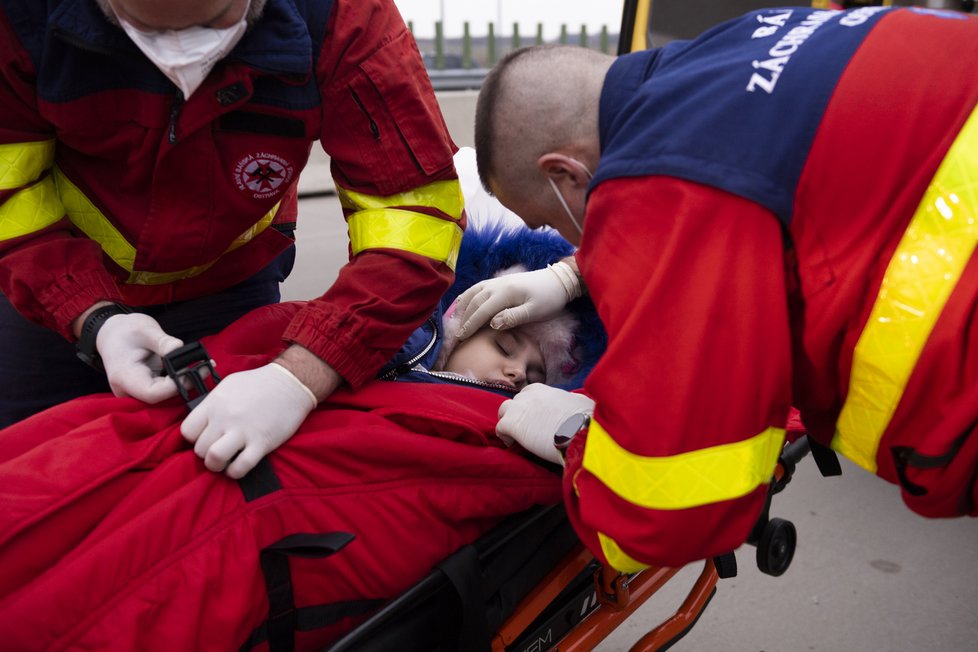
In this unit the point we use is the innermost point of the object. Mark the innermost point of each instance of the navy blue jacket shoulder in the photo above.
(736, 108)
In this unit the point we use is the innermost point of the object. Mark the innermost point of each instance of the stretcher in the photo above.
(529, 586)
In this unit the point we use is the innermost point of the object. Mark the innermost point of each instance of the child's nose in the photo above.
(516, 373)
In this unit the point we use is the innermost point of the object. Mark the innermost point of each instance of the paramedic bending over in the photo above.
(754, 237)
(147, 198)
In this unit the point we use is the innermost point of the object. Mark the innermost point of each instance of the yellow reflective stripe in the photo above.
(256, 228)
(919, 278)
(445, 196)
(21, 163)
(700, 477)
(29, 210)
(160, 278)
(90, 220)
(418, 233)
(617, 557)
(87, 217)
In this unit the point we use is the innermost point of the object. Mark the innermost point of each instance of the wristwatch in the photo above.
(85, 347)
(570, 428)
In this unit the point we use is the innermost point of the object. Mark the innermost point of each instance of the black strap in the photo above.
(905, 456)
(316, 617)
(900, 456)
(825, 458)
(282, 620)
(85, 347)
(260, 481)
(462, 570)
(283, 617)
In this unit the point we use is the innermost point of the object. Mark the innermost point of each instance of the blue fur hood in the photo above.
(485, 251)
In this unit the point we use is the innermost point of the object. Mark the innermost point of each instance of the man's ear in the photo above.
(562, 168)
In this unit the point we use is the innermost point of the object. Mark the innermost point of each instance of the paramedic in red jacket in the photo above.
(782, 212)
(135, 176)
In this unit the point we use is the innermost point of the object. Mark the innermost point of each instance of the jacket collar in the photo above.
(279, 43)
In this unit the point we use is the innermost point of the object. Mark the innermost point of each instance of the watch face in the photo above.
(574, 424)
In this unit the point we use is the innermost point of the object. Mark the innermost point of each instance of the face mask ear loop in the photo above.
(583, 167)
(563, 203)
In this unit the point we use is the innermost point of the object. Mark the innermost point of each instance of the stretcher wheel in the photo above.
(776, 547)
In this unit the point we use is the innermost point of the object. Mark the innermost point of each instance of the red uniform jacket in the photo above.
(113, 186)
(716, 327)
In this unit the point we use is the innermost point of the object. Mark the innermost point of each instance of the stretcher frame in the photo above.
(616, 598)
(578, 602)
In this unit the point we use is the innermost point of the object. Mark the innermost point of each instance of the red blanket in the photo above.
(113, 535)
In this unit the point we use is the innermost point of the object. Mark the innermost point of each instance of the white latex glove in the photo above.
(131, 347)
(248, 414)
(517, 299)
(532, 417)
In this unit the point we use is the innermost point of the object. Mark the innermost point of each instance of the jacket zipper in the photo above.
(450, 376)
(464, 380)
(174, 116)
(406, 366)
(374, 129)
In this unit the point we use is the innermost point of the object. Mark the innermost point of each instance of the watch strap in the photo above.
(85, 347)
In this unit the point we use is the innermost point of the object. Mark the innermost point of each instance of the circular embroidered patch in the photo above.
(262, 174)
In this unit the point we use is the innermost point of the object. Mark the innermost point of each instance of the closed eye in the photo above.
(506, 344)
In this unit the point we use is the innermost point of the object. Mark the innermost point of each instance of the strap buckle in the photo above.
(188, 366)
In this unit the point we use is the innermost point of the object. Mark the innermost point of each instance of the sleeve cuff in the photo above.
(337, 346)
(66, 300)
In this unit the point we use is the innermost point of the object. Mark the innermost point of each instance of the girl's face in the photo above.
(505, 357)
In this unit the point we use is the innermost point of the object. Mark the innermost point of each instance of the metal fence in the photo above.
(458, 79)
(473, 52)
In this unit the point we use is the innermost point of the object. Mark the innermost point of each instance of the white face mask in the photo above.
(186, 56)
(563, 202)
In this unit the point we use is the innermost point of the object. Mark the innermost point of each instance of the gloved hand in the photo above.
(131, 347)
(517, 299)
(248, 414)
(532, 417)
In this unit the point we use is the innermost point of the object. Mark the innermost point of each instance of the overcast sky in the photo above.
(479, 13)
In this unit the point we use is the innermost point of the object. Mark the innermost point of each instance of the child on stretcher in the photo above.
(557, 352)
(501, 361)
